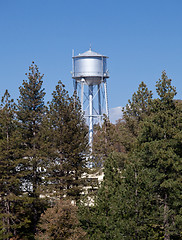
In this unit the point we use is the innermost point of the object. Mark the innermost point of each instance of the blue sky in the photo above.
(141, 38)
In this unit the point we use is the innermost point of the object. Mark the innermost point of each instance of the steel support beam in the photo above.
(90, 116)
(106, 98)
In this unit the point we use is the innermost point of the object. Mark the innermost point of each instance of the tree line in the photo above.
(44, 154)
(43, 151)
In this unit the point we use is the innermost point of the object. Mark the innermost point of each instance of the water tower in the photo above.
(89, 75)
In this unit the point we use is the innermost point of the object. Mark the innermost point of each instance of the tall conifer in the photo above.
(135, 111)
(30, 114)
(159, 148)
(11, 220)
(70, 143)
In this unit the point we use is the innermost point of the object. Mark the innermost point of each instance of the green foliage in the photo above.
(11, 213)
(30, 114)
(101, 219)
(159, 149)
(43, 156)
(134, 112)
(142, 199)
(42, 151)
(68, 133)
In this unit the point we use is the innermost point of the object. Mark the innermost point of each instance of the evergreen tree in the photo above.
(102, 219)
(152, 175)
(143, 200)
(12, 216)
(69, 132)
(134, 112)
(159, 148)
(30, 115)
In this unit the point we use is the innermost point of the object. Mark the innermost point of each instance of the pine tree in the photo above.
(102, 218)
(152, 175)
(69, 132)
(11, 219)
(134, 112)
(159, 144)
(30, 115)
(137, 206)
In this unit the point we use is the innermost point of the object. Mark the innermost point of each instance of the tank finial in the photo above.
(90, 49)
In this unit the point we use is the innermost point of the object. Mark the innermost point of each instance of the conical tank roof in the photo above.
(89, 53)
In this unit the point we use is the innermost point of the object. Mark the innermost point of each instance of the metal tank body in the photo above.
(91, 66)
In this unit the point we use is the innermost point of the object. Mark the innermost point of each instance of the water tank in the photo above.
(90, 66)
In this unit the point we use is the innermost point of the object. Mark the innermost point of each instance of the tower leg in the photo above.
(99, 104)
(75, 90)
(106, 99)
(90, 116)
(82, 92)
